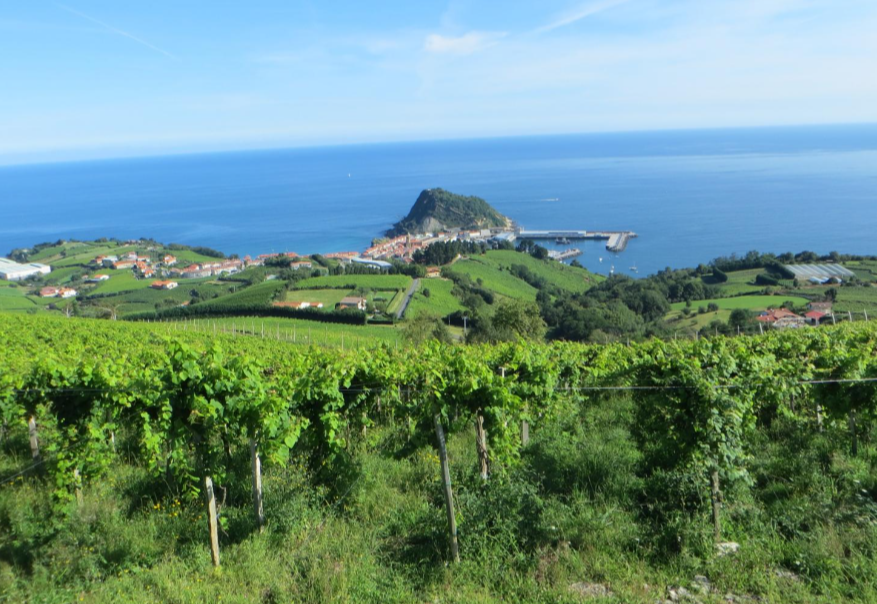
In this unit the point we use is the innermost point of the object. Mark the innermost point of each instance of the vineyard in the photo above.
(133, 460)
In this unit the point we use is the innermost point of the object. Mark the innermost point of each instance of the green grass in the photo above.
(120, 281)
(302, 331)
(493, 278)
(856, 299)
(329, 297)
(570, 512)
(376, 282)
(441, 301)
(747, 302)
(556, 273)
(14, 298)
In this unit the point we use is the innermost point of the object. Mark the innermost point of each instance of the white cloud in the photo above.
(582, 12)
(462, 45)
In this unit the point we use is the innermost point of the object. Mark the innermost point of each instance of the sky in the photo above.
(103, 78)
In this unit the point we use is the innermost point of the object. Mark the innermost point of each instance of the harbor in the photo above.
(616, 241)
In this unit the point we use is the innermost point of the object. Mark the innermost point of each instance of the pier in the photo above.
(565, 254)
(616, 241)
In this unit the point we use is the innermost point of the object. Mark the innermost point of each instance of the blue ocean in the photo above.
(690, 195)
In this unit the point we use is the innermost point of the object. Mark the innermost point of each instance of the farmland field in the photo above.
(495, 279)
(378, 282)
(440, 301)
(299, 331)
(329, 297)
(556, 273)
(747, 302)
(13, 298)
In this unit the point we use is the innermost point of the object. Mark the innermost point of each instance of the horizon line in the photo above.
(268, 147)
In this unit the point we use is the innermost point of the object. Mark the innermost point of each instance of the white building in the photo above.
(13, 271)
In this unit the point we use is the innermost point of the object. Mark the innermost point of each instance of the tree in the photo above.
(739, 318)
(424, 328)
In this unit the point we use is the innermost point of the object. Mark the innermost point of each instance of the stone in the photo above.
(701, 584)
(786, 574)
(727, 548)
(590, 590)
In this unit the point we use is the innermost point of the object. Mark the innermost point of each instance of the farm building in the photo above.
(13, 271)
(352, 302)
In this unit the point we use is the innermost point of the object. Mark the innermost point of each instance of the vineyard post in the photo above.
(256, 463)
(854, 437)
(77, 484)
(850, 314)
(263, 330)
(446, 483)
(714, 496)
(481, 443)
(211, 520)
(293, 333)
(819, 427)
(865, 310)
(34, 440)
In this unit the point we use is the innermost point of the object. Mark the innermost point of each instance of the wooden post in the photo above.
(34, 440)
(481, 444)
(77, 485)
(446, 482)
(854, 437)
(263, 330)
(212, 522)
(850, 314)
(256, 463)
(717, 527)
(819, 427)
(113, 440)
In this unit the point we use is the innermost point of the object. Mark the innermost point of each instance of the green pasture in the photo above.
(376, 282)
(441, 302)
(746, 302)
(556, 273)
(495, 279)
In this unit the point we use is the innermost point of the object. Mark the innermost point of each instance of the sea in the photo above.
(689, 195)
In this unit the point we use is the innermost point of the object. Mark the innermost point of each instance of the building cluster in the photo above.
(58, 292)
(782, 318)
(403, 247)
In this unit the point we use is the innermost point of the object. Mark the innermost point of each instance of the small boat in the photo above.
(601, 259)
(633, 268)
(612, 270)
(561, 241)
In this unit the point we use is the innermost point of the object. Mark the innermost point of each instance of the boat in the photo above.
(601, 259)
(633, 268)
(612, 270)
(561, 241)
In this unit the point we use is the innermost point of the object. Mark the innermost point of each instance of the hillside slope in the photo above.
(440, 210)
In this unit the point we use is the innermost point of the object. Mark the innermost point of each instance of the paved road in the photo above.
(408, 295)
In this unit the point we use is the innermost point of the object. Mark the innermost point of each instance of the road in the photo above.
(407, 299)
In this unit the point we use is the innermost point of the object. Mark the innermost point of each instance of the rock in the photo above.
(680, 594)
(701, 584)
(590, 590)
(727, 548)
(786, 574)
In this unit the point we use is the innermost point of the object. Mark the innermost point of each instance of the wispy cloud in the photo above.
(116, 30)
(582, 12)
(462, 45)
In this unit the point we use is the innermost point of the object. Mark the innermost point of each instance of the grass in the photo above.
(14, 299)
(300, 331)
(746, 302)
(120, 281)
(570, 513)
(376, 282)
(329, 297)
(441, 302)
(556, 273)
(495, 279)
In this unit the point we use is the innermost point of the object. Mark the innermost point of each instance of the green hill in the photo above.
(440, 210)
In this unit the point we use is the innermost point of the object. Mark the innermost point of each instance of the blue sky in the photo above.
(103, 78)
